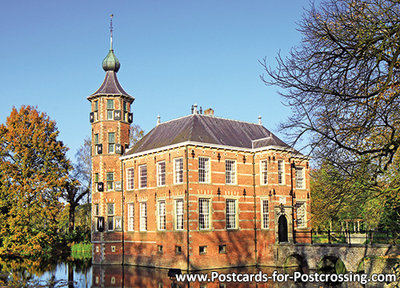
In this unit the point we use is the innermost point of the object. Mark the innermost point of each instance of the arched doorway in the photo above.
(282, 229)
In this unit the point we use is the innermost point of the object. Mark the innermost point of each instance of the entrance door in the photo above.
(282, 229)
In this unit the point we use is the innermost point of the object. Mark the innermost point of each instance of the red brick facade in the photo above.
(246, 196)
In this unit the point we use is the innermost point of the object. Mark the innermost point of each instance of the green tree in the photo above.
(34, 170)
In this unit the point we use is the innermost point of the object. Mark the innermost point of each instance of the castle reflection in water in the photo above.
(129, 276)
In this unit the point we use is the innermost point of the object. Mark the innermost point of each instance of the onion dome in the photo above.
(111, 62)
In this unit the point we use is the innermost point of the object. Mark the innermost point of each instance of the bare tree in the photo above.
(80, 180)
(342, 82)
(135, 134)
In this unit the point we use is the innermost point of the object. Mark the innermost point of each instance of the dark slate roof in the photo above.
(207, 129)
(111, 86)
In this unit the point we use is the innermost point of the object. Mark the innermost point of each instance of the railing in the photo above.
(347, 237)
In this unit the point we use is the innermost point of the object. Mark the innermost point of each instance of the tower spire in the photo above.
(111, 63)
(111, 32)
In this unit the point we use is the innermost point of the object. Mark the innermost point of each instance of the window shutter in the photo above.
(118, 149)
(100, 224)
(117, 114)
(99, 148)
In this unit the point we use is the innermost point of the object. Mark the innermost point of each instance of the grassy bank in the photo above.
(81, 250)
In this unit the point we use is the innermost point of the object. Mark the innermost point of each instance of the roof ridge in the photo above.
(161, 123)
(211, 116)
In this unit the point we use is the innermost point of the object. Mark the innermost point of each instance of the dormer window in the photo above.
(110, 109)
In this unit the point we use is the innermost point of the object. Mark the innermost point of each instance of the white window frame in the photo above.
(142, 216)
(178, 174)
(130, 178)
(263, 172)
(161, 176)
(110, 216)
(141, 186)
(96, 110)
(111, 145)
(204, 216)
(230, 175)
(303, 186)
(162, 215)
(231, 216)
(264, 214)
(131, 216)
(281, 172)
(109, 181)
(206, 169)
(179, 214)
(303, 205)
(110, 111)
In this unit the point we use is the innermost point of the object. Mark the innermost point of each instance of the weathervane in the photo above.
(111, 30)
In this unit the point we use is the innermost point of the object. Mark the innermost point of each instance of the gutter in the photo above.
(187, 208)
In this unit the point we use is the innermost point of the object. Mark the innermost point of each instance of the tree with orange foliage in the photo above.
(34, 170)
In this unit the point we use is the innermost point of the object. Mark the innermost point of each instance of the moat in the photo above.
(81, 274)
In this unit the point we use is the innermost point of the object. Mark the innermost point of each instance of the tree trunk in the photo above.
(71, 219)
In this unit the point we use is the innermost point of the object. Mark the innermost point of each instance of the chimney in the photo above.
(195, 109)
(158, 119)
(259, 120)
(209, 111)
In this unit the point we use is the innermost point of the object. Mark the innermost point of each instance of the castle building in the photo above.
(196, 192)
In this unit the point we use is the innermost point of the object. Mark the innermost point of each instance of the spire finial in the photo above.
(111, 63)
(111, 30)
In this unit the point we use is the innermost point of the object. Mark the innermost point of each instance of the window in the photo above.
(110, 109)
(161, 215)
(125, 108)
(281, 172)
(111, 142)
(143, 216)
(110, 181)
(301, 215)
(202, 250)
(96, 177)
(264, 172)
(160, 249)
(204, 170)
(96, 110)
(230, 172)
(130, 178)
(110, 216)
(178, 171)
(265, 215)
(179, 214)
(300, 178)
(230, 214)
(221, 249)
(178, 249)
(204, 214)
(96, 141)
(161, 173)
(142, 176)
(131, 217)
(96, 210)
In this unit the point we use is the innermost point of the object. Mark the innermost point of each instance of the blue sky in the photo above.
(173, 54)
